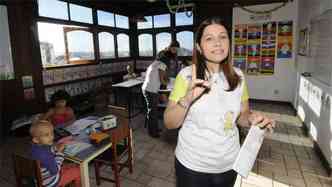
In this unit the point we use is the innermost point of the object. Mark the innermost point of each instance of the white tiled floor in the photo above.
(286, 158)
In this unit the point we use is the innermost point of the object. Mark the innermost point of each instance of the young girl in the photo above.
(60, 113)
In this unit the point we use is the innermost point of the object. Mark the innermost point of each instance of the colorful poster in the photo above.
(240, 46)
(268, 48)
(269, 31)
(285, 39)
(240, 50)
(240, 63)
(253, 65)
(254, 48)
(27, 81)
(267, 66)
(285, 47)
(254, 31)
(29, 94)
(240, 33)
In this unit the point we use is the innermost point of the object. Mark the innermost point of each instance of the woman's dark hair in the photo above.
(59, 95)
(174, 43)
(166, 55)
(233, 79)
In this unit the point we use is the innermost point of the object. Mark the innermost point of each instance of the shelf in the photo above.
(83, 79)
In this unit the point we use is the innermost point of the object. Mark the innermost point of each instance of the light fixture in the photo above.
(269, 11)
(187, 7)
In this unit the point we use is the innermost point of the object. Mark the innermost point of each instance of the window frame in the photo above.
(173, 30)
(95, 29)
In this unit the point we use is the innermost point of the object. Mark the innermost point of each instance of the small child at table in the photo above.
(54, 172)
(60, 113)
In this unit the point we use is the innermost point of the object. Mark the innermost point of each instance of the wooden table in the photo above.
(127, 88)
(84, 157)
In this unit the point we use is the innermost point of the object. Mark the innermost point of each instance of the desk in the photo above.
(84, 157)
(127, 87)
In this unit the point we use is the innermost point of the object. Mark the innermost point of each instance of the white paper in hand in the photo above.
(248, 152)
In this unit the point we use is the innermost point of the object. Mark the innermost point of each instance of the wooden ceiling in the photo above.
(139, 7)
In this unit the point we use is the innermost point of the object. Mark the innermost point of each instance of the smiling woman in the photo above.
(208, 101)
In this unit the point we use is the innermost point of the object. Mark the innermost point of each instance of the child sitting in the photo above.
(53, 172)
(131, 74)
(60, 113)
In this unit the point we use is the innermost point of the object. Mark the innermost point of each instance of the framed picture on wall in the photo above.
(304, 42)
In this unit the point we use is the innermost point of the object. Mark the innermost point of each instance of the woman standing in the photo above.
(208, 100)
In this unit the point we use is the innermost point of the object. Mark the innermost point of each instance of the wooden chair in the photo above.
(121, 134)
(27, 171)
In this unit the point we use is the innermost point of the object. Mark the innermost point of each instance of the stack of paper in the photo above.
(246, 158)
(74, 148)
(80, 124)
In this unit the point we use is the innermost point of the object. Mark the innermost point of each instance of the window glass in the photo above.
(76, 40)
(106, 45)
(163, 40)
(105, 18)
(186, 40)
(145, 45)
(121, 21)
(123, 45)
(145, 25)
(53, 49)
(163, 20)
(80, 13)
(53, 9)
(182, 19)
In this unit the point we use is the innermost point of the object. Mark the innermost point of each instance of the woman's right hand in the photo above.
(197, 89)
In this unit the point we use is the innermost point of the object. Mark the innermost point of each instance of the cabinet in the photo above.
(314, 109)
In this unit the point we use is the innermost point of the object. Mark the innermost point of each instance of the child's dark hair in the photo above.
(59, 95)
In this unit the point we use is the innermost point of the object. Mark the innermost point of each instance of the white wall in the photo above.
(308, 10)
(283, 80)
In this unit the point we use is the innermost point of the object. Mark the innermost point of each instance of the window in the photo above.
(145, 25)
(76, 39)
(182, 19)
(123, 45)
(80, 13)
(106, 45)
(53, 49)
(105, 18)
(186, 40)
(163, 40)
(163, 20)
(53, 9)
(121, 21)
(145, 45)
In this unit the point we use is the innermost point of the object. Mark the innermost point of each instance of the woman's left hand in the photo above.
(256, 118)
